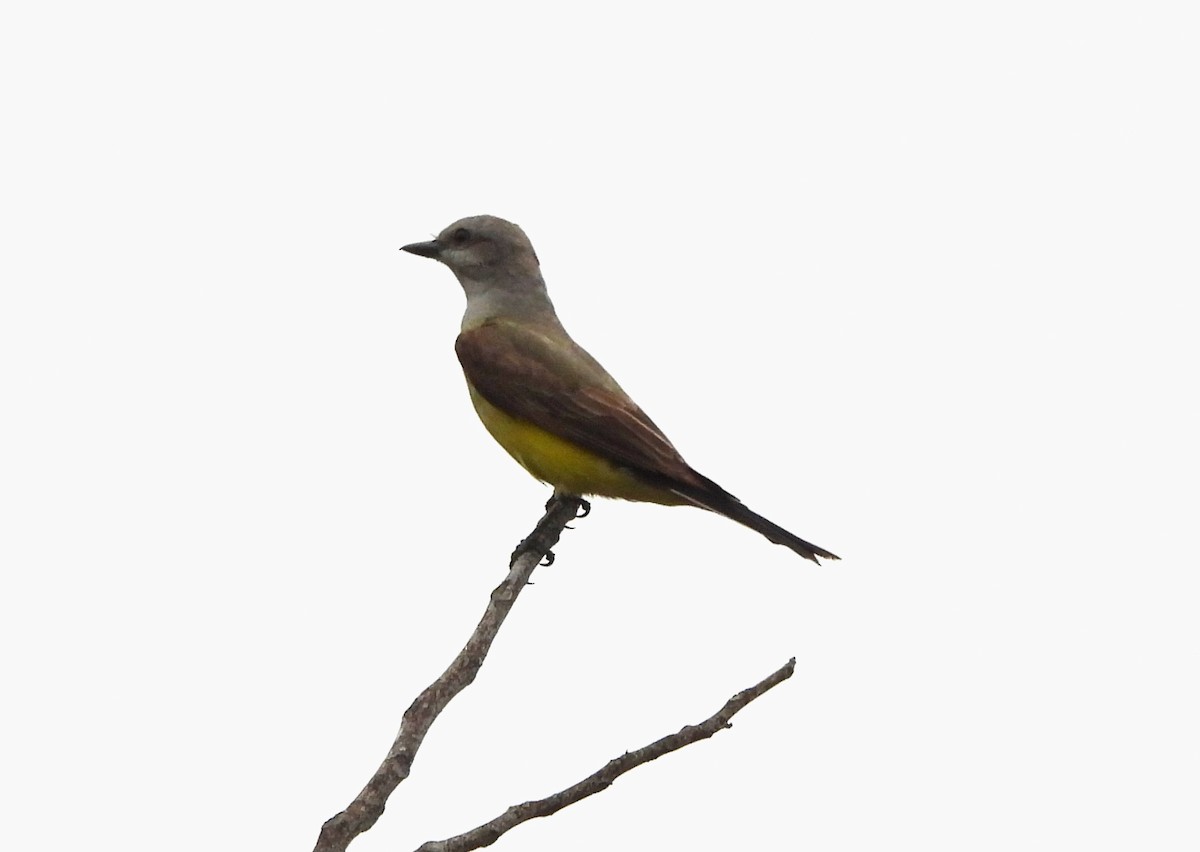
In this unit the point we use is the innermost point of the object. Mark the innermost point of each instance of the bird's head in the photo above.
(479, 247)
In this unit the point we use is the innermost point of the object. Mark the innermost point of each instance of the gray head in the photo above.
(480, 247)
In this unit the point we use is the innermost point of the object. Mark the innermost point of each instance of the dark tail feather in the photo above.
(722, 502)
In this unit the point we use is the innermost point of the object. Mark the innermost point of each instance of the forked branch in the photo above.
(490, 831)
(368, 805)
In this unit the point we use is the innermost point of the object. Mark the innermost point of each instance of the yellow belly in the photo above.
(566, 466)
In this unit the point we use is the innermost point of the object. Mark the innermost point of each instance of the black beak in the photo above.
(429, 249)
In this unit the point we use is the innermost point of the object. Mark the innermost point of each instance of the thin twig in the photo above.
(489, 832)
(368, 805)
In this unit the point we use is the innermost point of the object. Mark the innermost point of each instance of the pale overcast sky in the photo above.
(913, 280)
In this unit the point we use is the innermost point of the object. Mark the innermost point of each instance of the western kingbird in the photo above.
(548, 402)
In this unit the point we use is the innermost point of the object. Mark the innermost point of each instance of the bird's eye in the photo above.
(461, 235)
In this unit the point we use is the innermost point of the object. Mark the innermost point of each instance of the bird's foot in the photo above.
(519, 550)
(582, 509)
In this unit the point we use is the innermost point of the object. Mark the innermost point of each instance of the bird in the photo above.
(549, 403)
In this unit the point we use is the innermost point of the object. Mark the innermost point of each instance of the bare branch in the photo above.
(368, 805)
(489, 832)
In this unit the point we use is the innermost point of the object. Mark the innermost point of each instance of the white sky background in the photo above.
(914, 280)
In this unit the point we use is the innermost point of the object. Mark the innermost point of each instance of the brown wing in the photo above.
(528, 375)
(569, 395)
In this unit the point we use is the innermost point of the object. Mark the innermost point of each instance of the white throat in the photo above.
(488, 301)
(483, 306)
